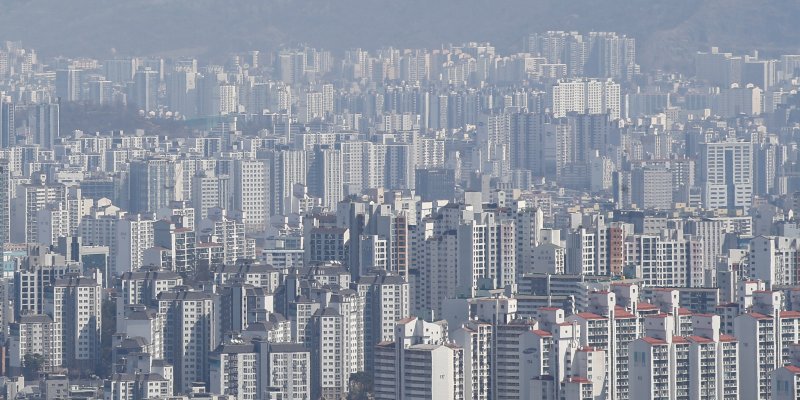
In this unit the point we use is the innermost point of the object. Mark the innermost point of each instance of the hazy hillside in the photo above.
(669, 31)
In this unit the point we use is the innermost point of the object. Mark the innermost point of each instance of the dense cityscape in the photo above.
(556, 223)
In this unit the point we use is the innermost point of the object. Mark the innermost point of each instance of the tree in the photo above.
(360, 386)
(32, 364)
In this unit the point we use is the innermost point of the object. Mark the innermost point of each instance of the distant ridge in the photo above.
(668, 31)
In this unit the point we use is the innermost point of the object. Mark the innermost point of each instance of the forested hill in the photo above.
(669, 31)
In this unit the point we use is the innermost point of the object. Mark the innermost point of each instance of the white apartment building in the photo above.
(471, 257)
(665, 366)
(286, 372)
(76, 309)
(711, 232)
(548, 258)
(134, 235)
(666, 260)
(328, 370)
(437, 278)
(99, 228)
(144, 287)
(386, 301)
(190, 334)
(418, 364)
(727, 174)
(233, 370)
(136, 386)
(588, 376)
(553, 348)
(507, 371)
(765, 345)
(654, 373)
(147, 324)
(475, 338)
(259, 275)
(325, 176)
(287, 168)
(737, 100)
(53, 222)
(586, 96)
(581, 253)
(283, 252)
(774, 260)
(226, 100)
(786, 383)
(433, 372)
(714, 360)
(33, 334)
(25, 206)
(250, 193)
(229, 233)
(786, 380)
(353, 171)
(205, 194)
